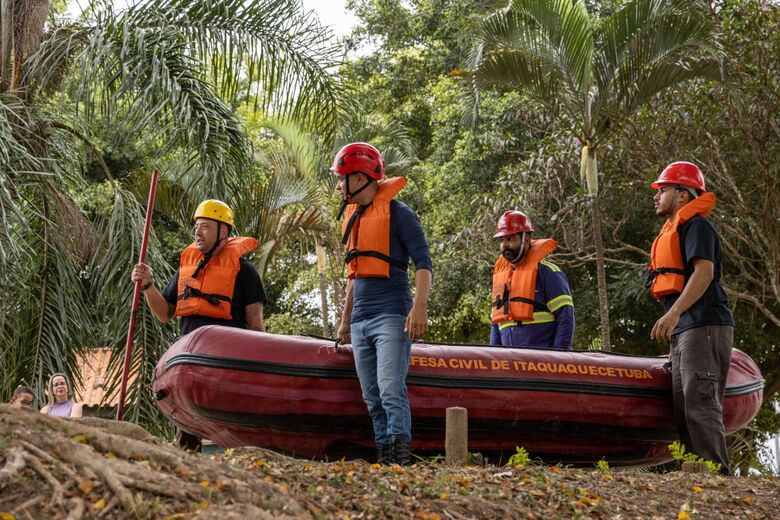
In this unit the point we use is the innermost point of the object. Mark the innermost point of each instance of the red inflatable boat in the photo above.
(301, 395)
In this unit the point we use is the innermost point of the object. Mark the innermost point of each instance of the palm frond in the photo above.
(16, 159)
(471, 92)
(649, 45)
(298, 223)
(111, 290)
(170, 200)
(568, 42)
(518, 68)
(372, 129)
(399, 163)
(285, 206)
(541, 47)
(304, 148)
(45, 70)
(48, 325)
(285, 50)
(150, 69)
(663, 75)
(150, 84)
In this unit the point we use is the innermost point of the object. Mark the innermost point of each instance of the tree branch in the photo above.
(15, 462)
(755, 302)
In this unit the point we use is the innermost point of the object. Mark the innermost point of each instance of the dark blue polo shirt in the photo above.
(374, 297)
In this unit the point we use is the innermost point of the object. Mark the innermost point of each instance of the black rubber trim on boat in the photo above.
(539, 385)
(633, 454)
(422, 426)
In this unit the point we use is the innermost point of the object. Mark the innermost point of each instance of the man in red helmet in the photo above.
(531, 300)
(380, 317)
(684, 275)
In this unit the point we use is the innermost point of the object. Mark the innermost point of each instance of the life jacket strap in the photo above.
(537, 306)
(503, 301)
(351, 223)
(202, 264)
(354, 253)
(342, 207)
(650, 274)
(192, 292)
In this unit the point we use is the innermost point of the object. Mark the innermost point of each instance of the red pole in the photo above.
(136, 298)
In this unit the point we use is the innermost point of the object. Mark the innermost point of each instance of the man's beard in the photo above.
(511, 255)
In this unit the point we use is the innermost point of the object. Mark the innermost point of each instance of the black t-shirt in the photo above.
(698, 239)
(248, 289)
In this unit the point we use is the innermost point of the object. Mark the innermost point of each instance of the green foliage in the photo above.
(96, 200)
(70, 202)
(595, 70)
(84, 118)
(520, 458)
(476, 459)
(677, 450)
(730, 130)
(289, 284)
(603, 466)
(420, 42)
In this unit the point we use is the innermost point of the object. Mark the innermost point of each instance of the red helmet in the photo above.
(683, 173)
(513, 222)
(359, 157)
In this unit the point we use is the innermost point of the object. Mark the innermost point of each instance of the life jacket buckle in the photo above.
(503, 301)
(351, 255)
(648, 277)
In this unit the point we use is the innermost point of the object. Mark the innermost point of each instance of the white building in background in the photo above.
(773, 449)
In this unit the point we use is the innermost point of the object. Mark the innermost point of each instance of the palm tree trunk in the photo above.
(6, 43)
(321, 263)
(38, 368)
(601, 274)
(324, 302)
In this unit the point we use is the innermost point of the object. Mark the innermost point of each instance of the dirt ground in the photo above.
(53, 468)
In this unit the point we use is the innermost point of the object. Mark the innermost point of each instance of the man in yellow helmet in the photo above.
(214, 285)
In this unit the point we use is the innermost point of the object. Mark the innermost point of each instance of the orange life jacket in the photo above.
(514, 286)
(666, 274)
(211, 293)
(365, 233)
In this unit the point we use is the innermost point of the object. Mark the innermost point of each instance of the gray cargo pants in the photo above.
(700, 364)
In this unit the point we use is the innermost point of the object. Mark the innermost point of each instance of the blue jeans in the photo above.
(382, 352)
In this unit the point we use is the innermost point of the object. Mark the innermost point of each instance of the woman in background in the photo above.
(61, 402)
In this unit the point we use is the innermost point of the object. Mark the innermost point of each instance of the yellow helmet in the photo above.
(215, 210)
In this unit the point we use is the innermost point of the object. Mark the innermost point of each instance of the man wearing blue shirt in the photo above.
(531, 299)
(380, 317)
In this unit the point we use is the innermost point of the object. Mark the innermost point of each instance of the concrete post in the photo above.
(457, 437)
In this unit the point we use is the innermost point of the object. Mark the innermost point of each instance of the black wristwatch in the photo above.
(145, 287)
